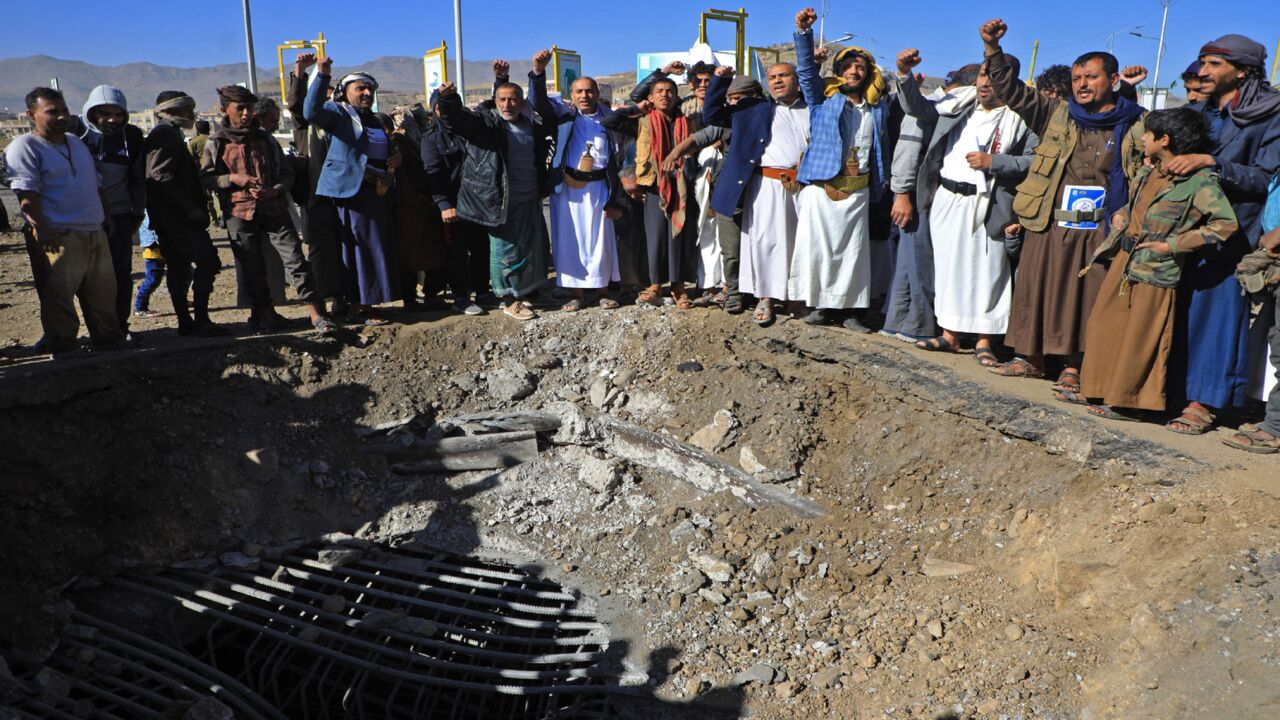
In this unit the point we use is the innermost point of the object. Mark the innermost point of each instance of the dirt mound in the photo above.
(970, 552)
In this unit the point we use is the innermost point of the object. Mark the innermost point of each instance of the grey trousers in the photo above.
(247, 237)
(730, 234)
(910, 307)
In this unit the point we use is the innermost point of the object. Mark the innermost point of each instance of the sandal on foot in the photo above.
(703, 300)
(763, 315)
(607, 303)
(574, 305)
(1196, 421)
(325, 326)
(985, 357)
(1069, 380)
(1109, 413)
(936, 344)
(1017, 367)
(1254, 439)
(683, 302)
(649, 296)
(733, 304)
(1069, 397)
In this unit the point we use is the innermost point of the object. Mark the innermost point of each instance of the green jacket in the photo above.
(1189, 214)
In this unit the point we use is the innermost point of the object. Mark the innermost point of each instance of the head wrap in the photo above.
(164, 110)
(875, 86)
(1237, 50)
(1255, 99)
(1193, 70)
(354, 77)
(744, 84)
(228, 94)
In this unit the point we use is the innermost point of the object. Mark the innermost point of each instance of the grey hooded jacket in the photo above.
(118, 155)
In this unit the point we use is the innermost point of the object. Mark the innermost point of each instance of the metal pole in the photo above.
(1155, 78)
(248, 44)
(457, 46)
(1031, 71)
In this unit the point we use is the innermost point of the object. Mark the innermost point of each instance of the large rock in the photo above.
(510, 382)
(601, 475)
(718, 435)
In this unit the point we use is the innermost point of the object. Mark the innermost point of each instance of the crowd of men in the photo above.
(1055, 228)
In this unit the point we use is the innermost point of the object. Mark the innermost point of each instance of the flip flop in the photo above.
(1109, 413)
(325, 326)
(1069, 397)
(649, 296)
(1017, 367)
(607, 303)
(763, 315)
(936, 344)
(574, 305)
(985, 357)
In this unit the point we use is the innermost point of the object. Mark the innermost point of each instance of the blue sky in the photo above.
(184, 33)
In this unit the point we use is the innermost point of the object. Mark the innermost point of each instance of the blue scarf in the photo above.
(1118, 120)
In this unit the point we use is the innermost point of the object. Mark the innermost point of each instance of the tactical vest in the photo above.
(1038, 193)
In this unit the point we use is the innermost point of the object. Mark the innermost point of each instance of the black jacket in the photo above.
(176, 203)
(482, 193)
(443, 155)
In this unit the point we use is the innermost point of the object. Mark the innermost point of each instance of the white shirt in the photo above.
(788, 136)
(587, 134)
(976, 135)
(65, 177)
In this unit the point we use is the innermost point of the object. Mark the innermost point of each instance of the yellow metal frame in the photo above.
(775, 54)
(1275, 62)
(739, 19)
(318, 45)
(556, 54)
(442, 51)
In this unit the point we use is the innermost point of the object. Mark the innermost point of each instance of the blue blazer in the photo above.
(343, 170)
(752, 122)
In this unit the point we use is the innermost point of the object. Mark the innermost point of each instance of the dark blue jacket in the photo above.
(1247, 159)
(752, 122)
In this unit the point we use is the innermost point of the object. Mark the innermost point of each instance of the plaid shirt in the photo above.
(827, 146)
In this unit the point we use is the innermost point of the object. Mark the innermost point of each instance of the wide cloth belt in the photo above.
(1079, 216)
(783, 175)
(585, 177)
(959, 188)
(848, 185)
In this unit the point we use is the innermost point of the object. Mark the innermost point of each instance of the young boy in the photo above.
(247, 168)
(150, 244)
(1130, 331)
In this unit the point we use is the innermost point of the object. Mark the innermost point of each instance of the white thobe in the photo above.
(769, 210)
(972, 280)
(831, 265)
(710, 263)
(583, 242)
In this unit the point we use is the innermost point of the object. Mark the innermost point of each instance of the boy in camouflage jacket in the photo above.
(1129, 338)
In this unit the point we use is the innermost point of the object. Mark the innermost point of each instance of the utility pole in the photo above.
(248, 44)
(457, 47)
(1155, 78)
(822, 20)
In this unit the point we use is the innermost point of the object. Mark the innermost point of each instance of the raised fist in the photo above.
(806, 18)
(675, 67)
(724, 71)
(501, 68)
(992, 31)
(908, 59)
(448, 90)
(304, 61)
(540, 60)
(324, 65)
(1134, 74)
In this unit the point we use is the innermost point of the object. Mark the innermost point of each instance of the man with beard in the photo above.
(504, 179)
(1210, 364)
(116, 146)
(56, 181)
(659, 126)
(845, 170)
(1090, 147)
(179, 215)
(759, 176)
(585, 200)
(978, 152)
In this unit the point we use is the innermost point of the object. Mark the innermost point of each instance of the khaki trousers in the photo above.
(81, 268)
